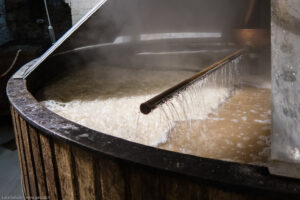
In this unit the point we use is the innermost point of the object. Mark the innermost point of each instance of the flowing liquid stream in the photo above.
(216, 117)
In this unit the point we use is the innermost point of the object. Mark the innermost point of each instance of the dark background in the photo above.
(24, 26)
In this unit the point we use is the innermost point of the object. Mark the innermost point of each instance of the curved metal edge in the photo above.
(20, 74)
(223, 173)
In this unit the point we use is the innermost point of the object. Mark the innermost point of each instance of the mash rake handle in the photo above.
(152, 103)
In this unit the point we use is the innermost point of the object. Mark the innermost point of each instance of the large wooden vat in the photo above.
(60, 159)
(64, 160)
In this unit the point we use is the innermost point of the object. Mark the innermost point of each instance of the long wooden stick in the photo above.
(151, 104)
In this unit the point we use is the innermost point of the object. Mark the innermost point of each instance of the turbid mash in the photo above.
(209, 120)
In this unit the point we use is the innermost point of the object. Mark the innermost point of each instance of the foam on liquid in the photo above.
(207, 119)
(107, 99)
(239, 131)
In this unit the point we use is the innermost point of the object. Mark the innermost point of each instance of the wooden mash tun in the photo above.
(61, 159)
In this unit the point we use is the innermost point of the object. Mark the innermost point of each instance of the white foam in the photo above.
(107, 99)
(235, 120)
(267, 121)
(240, 145)
(244, 118)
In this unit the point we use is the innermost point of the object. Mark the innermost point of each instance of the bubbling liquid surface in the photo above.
(238, 131)
(107, 99)
(227, 125)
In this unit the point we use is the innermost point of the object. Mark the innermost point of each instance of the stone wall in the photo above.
(286, 86)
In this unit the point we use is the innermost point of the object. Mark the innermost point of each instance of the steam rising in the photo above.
(138, 19)
(141, 48)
